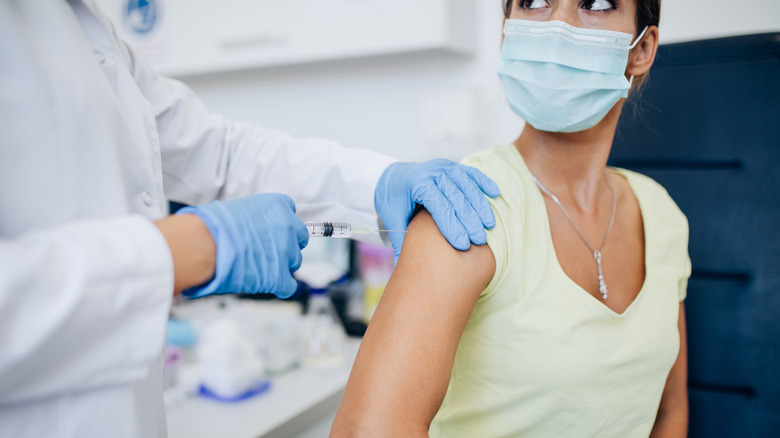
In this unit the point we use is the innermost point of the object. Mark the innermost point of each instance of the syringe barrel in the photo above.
(329, 229)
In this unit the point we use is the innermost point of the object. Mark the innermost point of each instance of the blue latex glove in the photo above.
(451, 192)
(180, 333)
(259, 241)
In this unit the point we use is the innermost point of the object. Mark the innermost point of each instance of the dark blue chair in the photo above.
(707, 127)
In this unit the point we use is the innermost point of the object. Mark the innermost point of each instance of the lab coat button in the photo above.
(101, 58)
(147, 198)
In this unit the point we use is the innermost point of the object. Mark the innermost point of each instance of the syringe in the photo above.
(338, 229)
(329, 229)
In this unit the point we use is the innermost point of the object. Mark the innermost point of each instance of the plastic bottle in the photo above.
(324, 333)
(376, 265)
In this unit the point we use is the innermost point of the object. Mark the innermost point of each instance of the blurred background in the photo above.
(413, 79)
(416, 79)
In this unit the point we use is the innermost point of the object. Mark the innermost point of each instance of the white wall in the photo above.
(687, 20)
(415, 107)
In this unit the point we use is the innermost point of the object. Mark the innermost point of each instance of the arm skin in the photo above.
(193, 250)
(672, 418)
(404, 364)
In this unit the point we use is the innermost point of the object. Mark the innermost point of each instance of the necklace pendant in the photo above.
(602, 283)
(602, 287)
(596, 253)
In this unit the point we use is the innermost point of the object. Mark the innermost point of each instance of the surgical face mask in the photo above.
(561, 78)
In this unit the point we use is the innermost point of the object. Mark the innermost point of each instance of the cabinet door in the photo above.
(188, 37)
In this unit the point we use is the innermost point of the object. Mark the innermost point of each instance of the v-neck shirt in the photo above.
(542, 357)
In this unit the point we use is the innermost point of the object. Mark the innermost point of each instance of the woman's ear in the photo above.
(643, 55)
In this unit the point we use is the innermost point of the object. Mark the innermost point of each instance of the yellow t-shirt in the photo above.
(540, 357)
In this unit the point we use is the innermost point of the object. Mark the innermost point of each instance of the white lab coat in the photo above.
(92, 143)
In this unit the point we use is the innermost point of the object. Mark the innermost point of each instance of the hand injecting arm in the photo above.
(249, 245)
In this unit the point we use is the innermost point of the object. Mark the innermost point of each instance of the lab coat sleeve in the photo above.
(82, 306)
(207, 157)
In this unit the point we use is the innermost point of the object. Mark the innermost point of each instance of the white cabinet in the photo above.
(190, 37)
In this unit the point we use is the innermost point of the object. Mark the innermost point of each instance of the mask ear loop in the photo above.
(639, 38)
(631, 47)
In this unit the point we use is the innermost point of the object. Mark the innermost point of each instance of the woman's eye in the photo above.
(533, 4)
(598, 5)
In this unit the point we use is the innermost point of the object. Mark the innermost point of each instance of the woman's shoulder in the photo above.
(506, 167)
(494, 160)
(654, 198)
(666, 226)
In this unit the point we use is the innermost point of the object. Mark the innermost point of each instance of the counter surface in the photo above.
(298, 402)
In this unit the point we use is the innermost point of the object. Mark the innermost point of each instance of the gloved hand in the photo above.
(259, 241)
(451, 192)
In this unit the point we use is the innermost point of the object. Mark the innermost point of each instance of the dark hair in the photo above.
(648, 13)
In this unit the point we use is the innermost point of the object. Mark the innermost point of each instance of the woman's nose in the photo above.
(566, 11)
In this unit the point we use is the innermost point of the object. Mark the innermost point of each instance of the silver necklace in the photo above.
(596, 252)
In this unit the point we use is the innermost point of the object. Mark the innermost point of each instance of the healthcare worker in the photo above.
(92, 143)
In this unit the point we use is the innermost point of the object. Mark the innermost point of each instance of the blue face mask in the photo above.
(562, 78)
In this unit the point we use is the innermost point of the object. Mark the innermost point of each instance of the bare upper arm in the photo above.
(403, 367)
(672, 418)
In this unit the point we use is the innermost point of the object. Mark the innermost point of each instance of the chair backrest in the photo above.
(707, 127)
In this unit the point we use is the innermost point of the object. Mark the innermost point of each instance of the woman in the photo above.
(570, 321)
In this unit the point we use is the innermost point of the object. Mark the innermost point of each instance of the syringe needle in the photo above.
(358, 230)
(340, 229)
